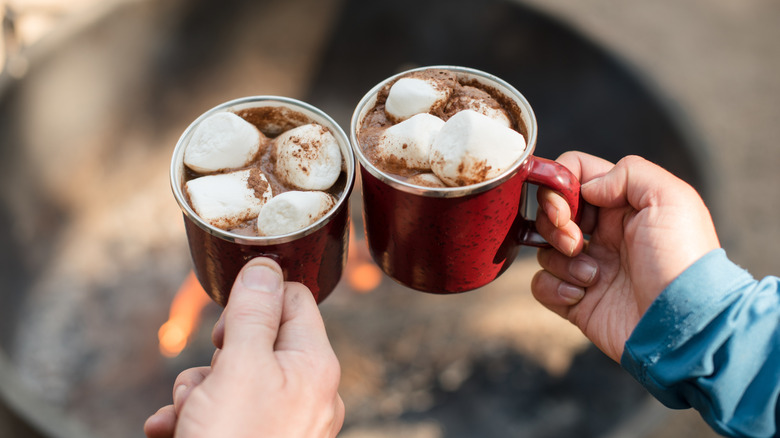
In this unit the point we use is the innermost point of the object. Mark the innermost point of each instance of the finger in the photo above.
(254, 308)
(555, 294)
(567, 238)
(185, 382)
(581, 271)
(564, 238)
(162, 424)
(554, 206)
(558, 213)
(585, 166)
(302, 328)
(633, 181)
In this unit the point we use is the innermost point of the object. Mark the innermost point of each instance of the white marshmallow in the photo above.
(410, 96)
(292, 211)
(471, 148)
(409, 142)
(308, 157)
(483, 103)
(222, 141)
(426, 180)
(224, 200)
(496, 114)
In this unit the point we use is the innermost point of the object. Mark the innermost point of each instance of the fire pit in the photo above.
(94, 249)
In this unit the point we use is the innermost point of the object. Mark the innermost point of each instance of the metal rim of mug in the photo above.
(314, 113)
(368, 100)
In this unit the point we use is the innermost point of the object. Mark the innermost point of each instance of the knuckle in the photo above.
(259, 314)
(631, 160)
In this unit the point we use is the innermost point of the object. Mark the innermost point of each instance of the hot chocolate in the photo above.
(238, 163)
(433, 128)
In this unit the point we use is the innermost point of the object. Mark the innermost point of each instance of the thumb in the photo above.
(632, 181)
(254, 309)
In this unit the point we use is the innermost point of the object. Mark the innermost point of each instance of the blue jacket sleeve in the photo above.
(711, 341)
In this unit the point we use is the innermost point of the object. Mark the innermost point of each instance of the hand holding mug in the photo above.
(274, 373)
(646, 227)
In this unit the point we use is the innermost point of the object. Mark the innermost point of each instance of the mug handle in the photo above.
(548, 173)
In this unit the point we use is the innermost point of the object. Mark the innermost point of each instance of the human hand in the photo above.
(274, 373)
(646, 227)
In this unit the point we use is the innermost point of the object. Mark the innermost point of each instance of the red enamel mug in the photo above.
(314, 256)
(456, 239)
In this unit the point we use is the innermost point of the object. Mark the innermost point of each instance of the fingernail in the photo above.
(591, 183)
(571, 293)
(568, 244)
(583, 270)
(261, 278)
(587, 184)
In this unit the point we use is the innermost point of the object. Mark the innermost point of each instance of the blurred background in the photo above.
(100, 314)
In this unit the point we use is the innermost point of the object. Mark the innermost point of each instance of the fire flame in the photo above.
(183, 317)
(362, 274)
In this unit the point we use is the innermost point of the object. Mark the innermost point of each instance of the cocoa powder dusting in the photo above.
(482, 170)
(272, 121)
(257, 182)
